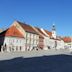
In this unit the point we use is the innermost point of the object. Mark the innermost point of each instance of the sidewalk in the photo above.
(27, 54)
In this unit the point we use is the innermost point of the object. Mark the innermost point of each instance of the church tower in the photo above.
(53, 31)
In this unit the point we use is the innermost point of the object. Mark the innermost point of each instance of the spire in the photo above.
(53, 31)
(53, 27)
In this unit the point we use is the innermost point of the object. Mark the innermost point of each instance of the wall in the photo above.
(46, 43)
(41, 43)
(60, 44)
(14, 44)
(32, 40)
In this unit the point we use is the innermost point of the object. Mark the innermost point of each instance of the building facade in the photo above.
(19, 37)
(12, 40)
(23, 37)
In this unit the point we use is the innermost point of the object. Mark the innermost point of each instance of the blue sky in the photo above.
(40, 13)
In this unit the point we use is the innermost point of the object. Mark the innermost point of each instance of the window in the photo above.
(17, 26)
(20, 48)
(17, 40)
(13, 40)
(20, 41)
(16, 48)
(26, 34)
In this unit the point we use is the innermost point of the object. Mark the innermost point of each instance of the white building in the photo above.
(23, 37)
(19, 37)
(12, 40)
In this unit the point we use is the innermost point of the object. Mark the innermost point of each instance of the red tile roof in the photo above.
(40, 31)
(12, 31)
(49, 33)
(27, 27)
(66, 39)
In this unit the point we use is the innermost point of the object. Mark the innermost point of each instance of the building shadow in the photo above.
(2, 38)
(56, 63)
